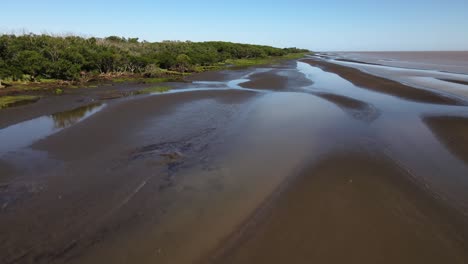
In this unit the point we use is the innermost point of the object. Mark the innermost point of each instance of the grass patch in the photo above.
(219, 66)
(48, 80)
(155, 80)
(263, 61)
(123, 80)
(146, 80)
(154, 89)
(248, 62)
(295, 56)
(10, 101)
(27, 88)
(58, 91)
(169, 72)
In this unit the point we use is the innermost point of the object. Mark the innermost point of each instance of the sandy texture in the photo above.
(355, 108)
(454, 81)
(452, 131)
(450, 61)
(380, 84)
(353, 208)
(301, 167)
(268, 80)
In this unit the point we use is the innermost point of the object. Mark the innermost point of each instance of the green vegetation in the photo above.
(58, 91)
(264, 60)
(155, 89)
(158, 80)
(48, 58)
(131, 79)
(8, 101)
(44, 64)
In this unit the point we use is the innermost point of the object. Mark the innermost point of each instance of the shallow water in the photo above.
(331, 82)
(447, 61)
(423, 75)
(192, 166)
(24, 134)
(403, 135)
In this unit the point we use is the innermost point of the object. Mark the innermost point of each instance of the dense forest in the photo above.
(33, 57)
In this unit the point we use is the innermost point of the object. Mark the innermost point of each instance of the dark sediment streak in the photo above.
(454, 81)
(451, 131)
(383, 85)
(360, 62)
(5, 171)
(355, 108)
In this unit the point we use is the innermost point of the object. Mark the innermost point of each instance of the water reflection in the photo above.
(23, 134)
(68, 118)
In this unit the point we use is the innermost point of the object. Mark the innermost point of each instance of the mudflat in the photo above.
(443, 72)
(449, 61)
(364, 80)
(303, 161)
(452, 131)
(355, 208)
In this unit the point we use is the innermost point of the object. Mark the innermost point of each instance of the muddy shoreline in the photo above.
(292, 162)
(380, 84)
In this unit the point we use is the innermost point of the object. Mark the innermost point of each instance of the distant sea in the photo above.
(450, 61)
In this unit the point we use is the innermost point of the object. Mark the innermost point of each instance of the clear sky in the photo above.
(317, 25)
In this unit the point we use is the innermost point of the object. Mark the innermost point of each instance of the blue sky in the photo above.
(317, 25)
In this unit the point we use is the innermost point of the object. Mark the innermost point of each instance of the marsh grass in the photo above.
(154, 89)
(58, 91)
(156, 80)
(9, 101)
(263, 61)
(146, 80)
(49, 80)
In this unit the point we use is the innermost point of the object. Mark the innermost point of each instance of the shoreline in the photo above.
(386, 85)
(58, 87)
(49, 103)
(294, 171)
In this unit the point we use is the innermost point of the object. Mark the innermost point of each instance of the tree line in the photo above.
(32, 57)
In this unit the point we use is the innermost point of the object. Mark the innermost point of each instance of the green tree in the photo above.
(30, 62)
(70, 57)
(64, 70)
(183, 62)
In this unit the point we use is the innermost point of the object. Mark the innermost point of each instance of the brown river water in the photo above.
(306, 161)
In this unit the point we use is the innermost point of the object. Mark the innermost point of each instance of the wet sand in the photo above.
(355, 108)
(108, 127)
(454, 81)
(452, 131)
(380, 84)
(108, 155)
(448, 61)
(270, 81)
(279, 78)
(297, 162)
(74, 98)
(442, 72)
(353, 208)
